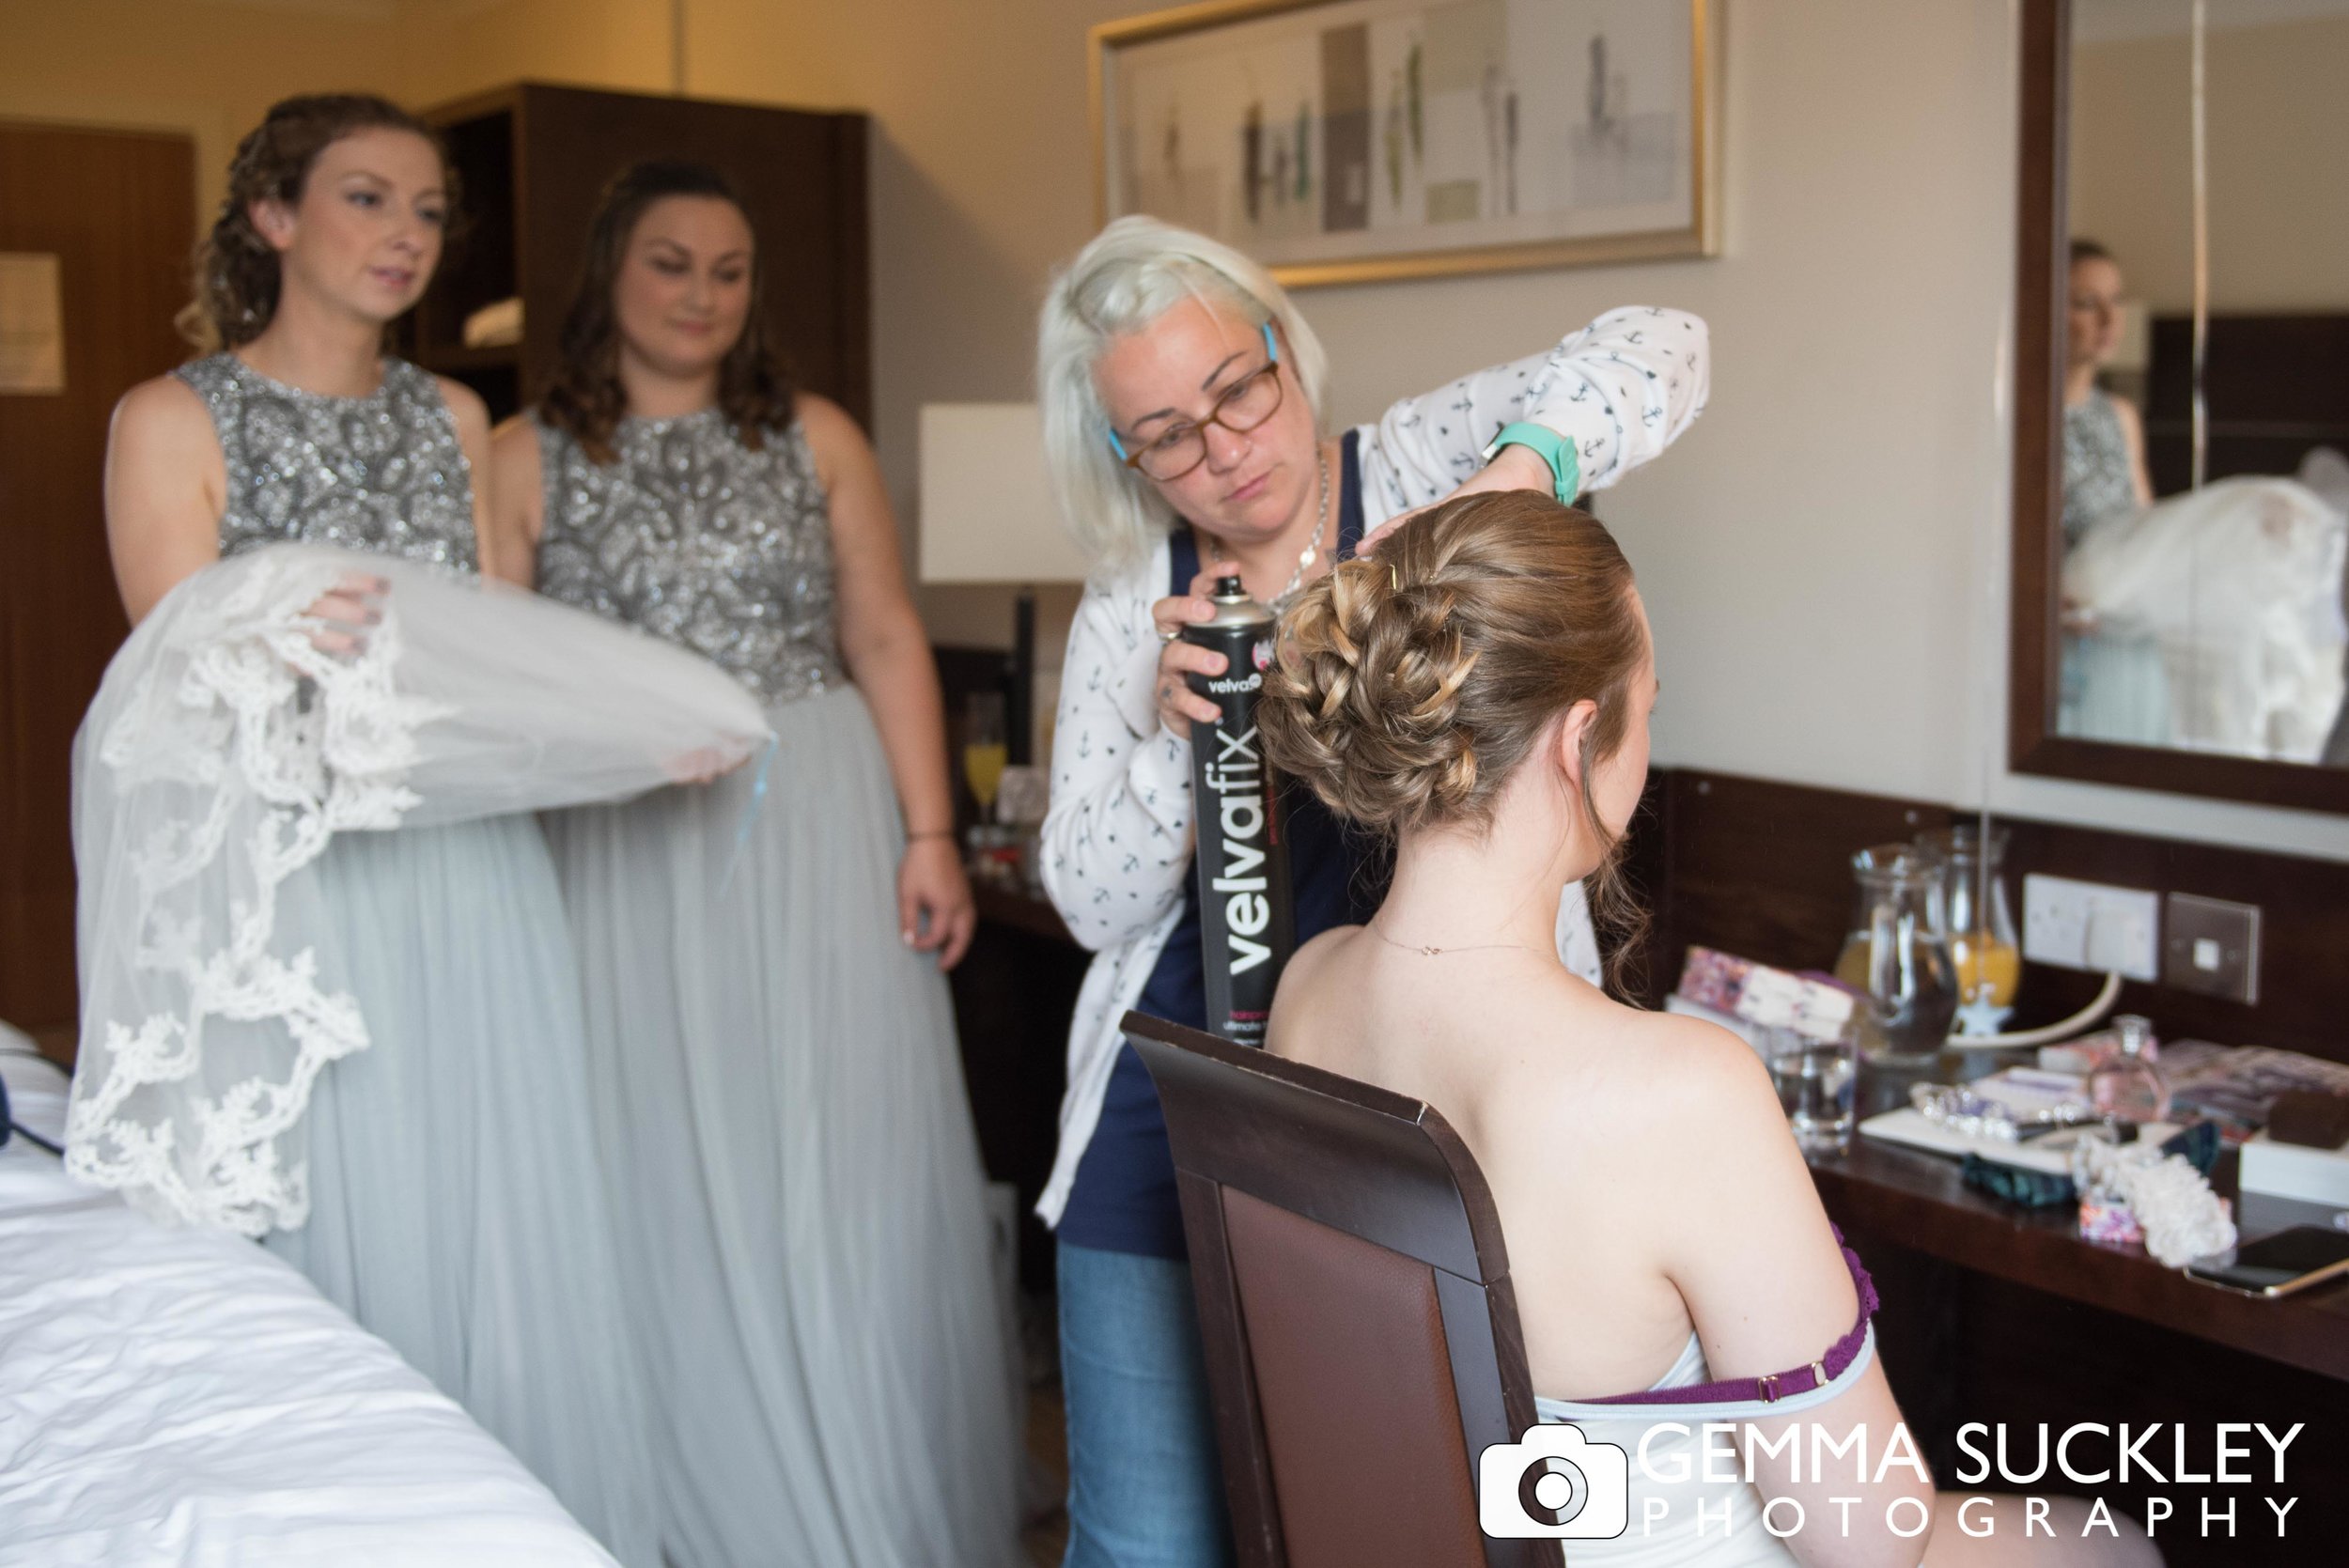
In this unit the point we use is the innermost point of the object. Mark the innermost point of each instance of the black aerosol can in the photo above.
(1248, 927)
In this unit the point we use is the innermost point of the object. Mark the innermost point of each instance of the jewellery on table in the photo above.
(1372, 926)
(1307, 556)
(1972, 1115)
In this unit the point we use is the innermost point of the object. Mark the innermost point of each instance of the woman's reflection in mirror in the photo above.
(2114, 688)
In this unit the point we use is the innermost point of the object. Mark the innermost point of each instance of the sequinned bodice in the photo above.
(381, 473)
(2097, 479)
(701, 541)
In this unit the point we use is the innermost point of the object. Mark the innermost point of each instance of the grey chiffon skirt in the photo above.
(454, 1207)
(793, 1166)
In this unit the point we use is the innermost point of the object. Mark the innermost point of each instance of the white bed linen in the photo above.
(179, 1396)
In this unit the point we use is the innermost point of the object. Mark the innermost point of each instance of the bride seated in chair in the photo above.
(1479, 690)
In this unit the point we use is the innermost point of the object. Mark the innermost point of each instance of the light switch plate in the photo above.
(2213, 947)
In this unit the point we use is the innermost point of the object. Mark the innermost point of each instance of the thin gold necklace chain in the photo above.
(1372, 926)
(1311, 552)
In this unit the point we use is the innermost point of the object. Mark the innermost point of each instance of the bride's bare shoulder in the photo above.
(1305, 985)
(1320, 953)
(1644, 1075)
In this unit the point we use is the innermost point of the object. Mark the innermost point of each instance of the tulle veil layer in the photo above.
(234, 735)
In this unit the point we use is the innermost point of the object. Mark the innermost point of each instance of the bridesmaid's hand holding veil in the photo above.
(934, 910)
(347, 611)
(704, 764)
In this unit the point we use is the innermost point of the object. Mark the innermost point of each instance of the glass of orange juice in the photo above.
(985, 750)
(1983, 945)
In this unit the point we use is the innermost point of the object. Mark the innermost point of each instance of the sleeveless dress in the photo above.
(2097, 479)
(1679, 1515)
(452, 1213)
(1682, 1509)
(2114, 686)
(776, 1076)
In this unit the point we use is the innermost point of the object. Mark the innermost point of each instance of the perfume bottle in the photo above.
(2127, 1084)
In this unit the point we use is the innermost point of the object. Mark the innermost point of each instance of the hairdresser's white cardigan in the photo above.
(1117, 841)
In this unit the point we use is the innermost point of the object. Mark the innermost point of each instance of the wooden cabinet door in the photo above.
(117, 211)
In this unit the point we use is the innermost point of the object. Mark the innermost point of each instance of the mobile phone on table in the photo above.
(2280, 1264)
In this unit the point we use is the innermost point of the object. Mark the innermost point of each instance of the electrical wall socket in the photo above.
(2213, 947)
(2088, 925)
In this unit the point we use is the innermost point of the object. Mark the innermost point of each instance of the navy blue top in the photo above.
(1123, 1199)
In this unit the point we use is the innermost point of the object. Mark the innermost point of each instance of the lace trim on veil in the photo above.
(233, 752)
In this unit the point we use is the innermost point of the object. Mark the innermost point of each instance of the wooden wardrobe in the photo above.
(533, 159)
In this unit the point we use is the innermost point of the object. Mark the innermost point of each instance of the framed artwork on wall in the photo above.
(1348, 141)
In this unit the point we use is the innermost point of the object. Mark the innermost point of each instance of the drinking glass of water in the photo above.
(1816, 1080)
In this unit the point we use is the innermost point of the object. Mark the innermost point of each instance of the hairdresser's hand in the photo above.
(934, 910)
(704, 764)
(1178, 706)
(348, 610)
(1512, 468)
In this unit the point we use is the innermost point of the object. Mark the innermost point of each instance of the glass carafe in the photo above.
(1983, 946)
(1897, 955)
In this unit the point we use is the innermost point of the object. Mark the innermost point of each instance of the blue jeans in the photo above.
(1145, 1486)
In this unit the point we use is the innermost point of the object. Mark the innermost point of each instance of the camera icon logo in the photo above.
(1556, 1485)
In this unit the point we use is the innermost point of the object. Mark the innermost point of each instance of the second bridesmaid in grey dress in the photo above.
(774, 1065)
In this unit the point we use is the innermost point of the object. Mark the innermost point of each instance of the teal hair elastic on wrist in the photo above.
(1565, 470)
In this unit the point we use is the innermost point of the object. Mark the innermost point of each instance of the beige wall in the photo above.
(1824, 556)
(456, 47)
(2278, 163)
(208, 68)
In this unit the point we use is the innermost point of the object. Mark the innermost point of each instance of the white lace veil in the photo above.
(224, 751)
(2240, 584)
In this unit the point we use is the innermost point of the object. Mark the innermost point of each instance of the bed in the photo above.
(173, 1396)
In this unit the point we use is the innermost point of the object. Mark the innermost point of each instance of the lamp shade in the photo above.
(987, 512)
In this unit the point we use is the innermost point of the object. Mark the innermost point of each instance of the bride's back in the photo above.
(1580, 1113)
(1480, 691)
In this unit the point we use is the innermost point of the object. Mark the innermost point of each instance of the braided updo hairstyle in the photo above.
(237, 277)
(1411, 684)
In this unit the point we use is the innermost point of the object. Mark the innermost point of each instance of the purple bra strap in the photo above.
(1776, 1385)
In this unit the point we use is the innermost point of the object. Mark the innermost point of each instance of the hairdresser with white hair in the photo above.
(1182, 397)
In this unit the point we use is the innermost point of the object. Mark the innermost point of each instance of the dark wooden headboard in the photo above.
(2275, 386)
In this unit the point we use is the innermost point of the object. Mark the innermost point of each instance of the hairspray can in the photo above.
(1247, 925)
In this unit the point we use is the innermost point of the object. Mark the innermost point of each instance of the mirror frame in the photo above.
(2041, 284)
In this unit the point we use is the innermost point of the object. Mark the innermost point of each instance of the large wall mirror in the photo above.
(2182, 438)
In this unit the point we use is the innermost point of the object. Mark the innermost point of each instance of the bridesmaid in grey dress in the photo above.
(774, 1065)
(2114, 686)
(451, 1207)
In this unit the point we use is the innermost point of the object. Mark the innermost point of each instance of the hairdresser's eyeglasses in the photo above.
(1240, 408)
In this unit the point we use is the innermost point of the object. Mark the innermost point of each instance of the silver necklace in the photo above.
(1311, 553)
(1372, 926)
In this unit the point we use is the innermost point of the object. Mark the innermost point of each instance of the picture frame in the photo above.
(1356, 141)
